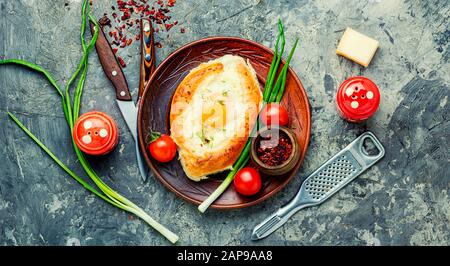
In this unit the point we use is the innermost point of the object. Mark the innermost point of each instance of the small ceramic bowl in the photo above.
(286, 165)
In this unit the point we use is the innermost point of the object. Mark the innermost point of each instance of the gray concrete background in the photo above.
(403, 200)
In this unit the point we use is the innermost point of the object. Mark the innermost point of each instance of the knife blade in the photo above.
(115, 74)
(129, 113)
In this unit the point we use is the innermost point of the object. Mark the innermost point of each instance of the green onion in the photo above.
(37, 68)
(61, 164)
(278, 90)
(270, 94)
(133, 209)
(275, 62)
(86, 49)
(71, 114)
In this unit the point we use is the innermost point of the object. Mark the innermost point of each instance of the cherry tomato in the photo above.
(247, 181)
(274, 114)
(163, 149)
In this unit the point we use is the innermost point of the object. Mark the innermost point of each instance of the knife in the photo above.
(124, 100)
(147, 65)
(147, 54)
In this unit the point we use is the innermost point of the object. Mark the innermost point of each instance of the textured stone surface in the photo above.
(403, 200)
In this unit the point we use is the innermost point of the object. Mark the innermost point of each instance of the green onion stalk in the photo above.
(272, 93)
(71, 112)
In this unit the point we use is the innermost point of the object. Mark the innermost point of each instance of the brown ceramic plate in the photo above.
(154, 111)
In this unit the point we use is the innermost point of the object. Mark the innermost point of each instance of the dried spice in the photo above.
(125, 19)
(105, 21)
(272, 150)
(121, 62)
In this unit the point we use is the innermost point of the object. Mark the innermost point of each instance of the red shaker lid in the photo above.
(95, 133)
(358, 98)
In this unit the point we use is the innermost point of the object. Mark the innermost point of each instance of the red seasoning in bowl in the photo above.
(273, 150)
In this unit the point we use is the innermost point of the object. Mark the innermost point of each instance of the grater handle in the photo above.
(291, 208)
(277, 219)
(294, 205)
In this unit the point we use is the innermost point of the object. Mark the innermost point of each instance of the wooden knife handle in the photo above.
(148, 60)
(111, 66)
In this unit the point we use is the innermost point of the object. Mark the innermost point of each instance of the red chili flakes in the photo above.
(127, 14)
(121, 4)
(182, 30)
(121, 61)
(273, 151)
(168, 26)
(171, 3)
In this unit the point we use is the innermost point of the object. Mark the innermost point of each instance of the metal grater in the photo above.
(328, 179)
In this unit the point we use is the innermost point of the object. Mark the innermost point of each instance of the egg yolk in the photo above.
(214, 114)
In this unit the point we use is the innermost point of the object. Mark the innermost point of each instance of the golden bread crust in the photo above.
(198, 161)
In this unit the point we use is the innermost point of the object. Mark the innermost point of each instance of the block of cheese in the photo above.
(357, 47)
